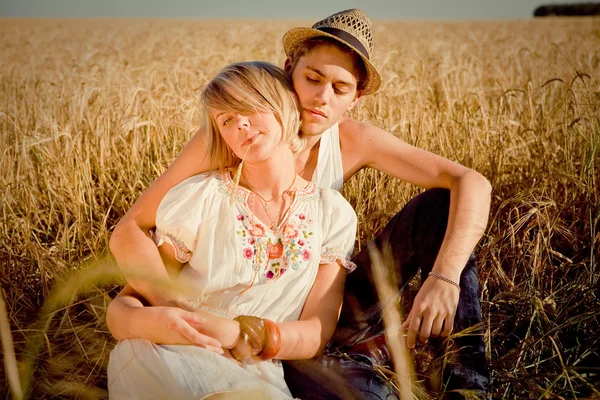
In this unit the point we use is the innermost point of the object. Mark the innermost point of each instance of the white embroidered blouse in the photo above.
(235, 263)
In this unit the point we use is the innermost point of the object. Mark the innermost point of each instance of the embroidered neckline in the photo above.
(241, 193)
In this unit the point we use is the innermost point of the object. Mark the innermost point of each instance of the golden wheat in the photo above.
(92, 111)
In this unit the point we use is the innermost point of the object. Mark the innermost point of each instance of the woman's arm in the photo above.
(127, 317)
(435, 304)
(130, 242)
(308, 337)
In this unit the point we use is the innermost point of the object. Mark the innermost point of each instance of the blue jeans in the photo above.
(414, 236)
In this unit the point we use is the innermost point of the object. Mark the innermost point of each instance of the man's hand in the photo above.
(433, 311)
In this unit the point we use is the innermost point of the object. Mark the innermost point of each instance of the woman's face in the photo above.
(325, 83)
(261, 129)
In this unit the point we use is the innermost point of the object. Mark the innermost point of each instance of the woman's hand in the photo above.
(127, 318)
(174, 325)
(433, 311)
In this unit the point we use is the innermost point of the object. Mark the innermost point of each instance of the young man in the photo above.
(330, 68)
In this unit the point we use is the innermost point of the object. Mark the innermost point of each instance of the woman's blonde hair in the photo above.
(250, 87)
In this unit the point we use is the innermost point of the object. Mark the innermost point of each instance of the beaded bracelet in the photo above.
(445, 279)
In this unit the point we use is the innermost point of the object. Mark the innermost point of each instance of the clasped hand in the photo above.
(178, 322)
(186, 321)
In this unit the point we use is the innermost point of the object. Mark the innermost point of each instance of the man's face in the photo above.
(325, 83)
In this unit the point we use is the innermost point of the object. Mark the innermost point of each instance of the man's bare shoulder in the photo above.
(359, 133)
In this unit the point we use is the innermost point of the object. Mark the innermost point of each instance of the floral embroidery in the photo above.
(248, 253)
(273, 253)
(305, 255)
(289, 231)
(257, 231)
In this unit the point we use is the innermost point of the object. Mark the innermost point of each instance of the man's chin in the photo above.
(313, 129)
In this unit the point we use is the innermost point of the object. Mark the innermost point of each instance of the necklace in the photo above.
(265, 204)
(274, 225)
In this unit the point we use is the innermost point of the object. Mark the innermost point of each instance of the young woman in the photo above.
(262, 261)
(330, 68)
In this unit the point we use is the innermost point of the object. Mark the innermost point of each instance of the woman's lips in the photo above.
(250, 140)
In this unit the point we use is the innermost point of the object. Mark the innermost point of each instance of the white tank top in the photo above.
(329, 172)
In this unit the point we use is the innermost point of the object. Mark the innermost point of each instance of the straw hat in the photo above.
(350, 27)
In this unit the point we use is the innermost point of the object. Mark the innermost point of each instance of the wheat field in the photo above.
(91, 111)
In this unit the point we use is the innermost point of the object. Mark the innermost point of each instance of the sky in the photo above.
(271, 9)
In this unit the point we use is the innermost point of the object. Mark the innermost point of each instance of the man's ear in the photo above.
(288, 65)
(358, 95)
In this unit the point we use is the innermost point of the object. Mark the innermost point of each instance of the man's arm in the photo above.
(129, 315)
(435, 304)
(130, 242)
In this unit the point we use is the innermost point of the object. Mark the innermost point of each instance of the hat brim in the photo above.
(292, 38)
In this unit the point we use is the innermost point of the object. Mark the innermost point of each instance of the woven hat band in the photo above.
(347, 37)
